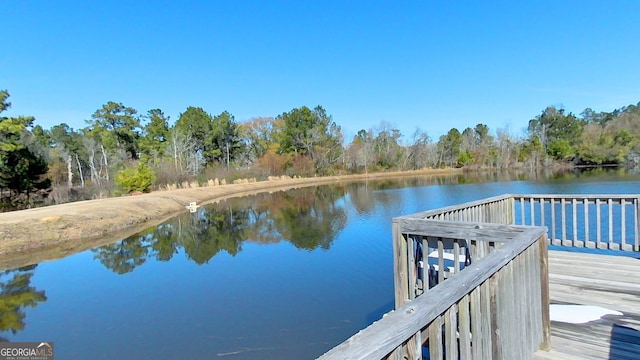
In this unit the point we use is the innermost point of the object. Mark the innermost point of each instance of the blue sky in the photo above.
(431, 65)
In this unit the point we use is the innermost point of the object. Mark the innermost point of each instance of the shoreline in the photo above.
(46, 233)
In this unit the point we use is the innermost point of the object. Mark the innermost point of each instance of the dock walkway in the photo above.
(611, 282)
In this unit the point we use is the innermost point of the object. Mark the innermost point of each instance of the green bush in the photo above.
(560, 149)
(136, 179)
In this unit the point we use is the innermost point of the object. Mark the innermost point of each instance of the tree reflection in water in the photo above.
(307, 219)
(16, 294)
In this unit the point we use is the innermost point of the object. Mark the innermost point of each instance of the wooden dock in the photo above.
(497, 306)
(611, 282)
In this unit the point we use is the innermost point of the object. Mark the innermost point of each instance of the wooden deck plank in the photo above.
(612, 282)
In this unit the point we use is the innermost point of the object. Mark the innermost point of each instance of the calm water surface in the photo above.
(272, 276)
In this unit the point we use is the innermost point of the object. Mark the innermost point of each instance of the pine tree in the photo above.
(21, 168)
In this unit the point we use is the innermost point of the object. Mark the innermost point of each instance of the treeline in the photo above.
(121, 150)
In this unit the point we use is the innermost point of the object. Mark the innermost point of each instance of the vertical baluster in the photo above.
(519, 284)
(473, 249)
(508, 307)
(450, 329)
(522, 222)
(534, 293)
(541, 211)
(544, 291)
(553, 222)
(636, 227)
(414, 346)
(411, 266)
(456, 256)
(440, 261)
(512, 214)
(598, 224)
(575, 241)
(587, 241)
(426, 269)
(532, 202)
(485, 212)
(435, 339)
(496, 330)
(529, 311)
(508, 215)
(492, 212)
(485, 306)
(464, 328)
(563, 214)
(623, 225)
(610, 203)
(476, 324)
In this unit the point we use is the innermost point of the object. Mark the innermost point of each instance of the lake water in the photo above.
(286, 275)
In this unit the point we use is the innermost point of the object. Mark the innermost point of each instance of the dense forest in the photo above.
(121, 150)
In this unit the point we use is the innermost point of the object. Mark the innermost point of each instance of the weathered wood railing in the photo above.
(479, 313)
(488, 259)
(603, 221)
(496, 210)
(589, 221)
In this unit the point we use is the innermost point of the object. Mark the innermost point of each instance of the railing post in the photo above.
(400, 276)
(544, 291)
(401, 280)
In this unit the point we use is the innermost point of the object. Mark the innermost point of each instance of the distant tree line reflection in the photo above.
(307, 218)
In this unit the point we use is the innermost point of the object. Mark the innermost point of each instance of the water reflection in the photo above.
(307, 219)
(293, 298)
(310, 220)
(16, 294)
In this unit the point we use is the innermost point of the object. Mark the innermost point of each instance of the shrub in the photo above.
(136, 179)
